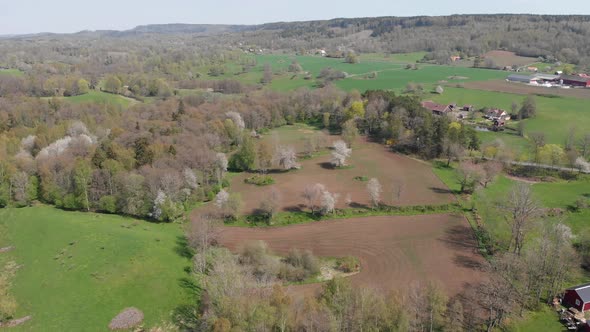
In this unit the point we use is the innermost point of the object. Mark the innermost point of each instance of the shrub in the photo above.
(108, 204)
(348, 264)
(260, 180)
(581, 203)
(361, 178)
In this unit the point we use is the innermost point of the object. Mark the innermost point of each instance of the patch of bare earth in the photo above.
(128, 318)
(506, 58)
(16, 322)
(394, 251)
(6, 249)
(405, 181)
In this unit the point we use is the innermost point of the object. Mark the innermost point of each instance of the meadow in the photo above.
(555, 116)
(79, 270)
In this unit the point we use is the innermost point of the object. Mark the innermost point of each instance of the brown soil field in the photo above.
(505, 58)
(523, 89)
(395, 252)
(419, 184)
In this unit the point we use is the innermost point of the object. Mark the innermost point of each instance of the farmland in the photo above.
(394, 252)
(79, 270)
(505, 58)
(417, 183)
(555, 116)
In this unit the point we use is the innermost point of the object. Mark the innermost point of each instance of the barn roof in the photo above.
(430, 105)
(575, 78)
(583, 291)
(517, 77)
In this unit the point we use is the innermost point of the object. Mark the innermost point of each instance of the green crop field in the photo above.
(79, 270)
(11, 72)
(555, 116)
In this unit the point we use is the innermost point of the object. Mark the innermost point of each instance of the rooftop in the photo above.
(583, 291)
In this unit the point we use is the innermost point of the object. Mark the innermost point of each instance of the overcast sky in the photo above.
(31, 16)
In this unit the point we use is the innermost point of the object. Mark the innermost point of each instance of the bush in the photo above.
(348, 264)
(361, 178)
(581, 203)
(260, 180)
(108, 204)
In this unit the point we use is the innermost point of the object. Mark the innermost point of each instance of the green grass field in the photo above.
(11, 72)
(555, 116)
(99, 97)
(79, 270)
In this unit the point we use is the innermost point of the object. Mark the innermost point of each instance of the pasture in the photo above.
(394, 252)
(555, 116)
(405, 181)
(11, 72)
(79, 270)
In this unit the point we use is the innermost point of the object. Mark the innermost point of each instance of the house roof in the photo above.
(546, 76)
(434, 106)
(497, 112)
(575, 78)
(583, 291)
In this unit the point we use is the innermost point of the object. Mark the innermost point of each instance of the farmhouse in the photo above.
(521, 78)
(437, 109)
(497, 114)
(574, 80)
(578, 297)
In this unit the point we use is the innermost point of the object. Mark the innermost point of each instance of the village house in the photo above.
(577, 297)
(455, 58)
(437, 109)
(497, 114)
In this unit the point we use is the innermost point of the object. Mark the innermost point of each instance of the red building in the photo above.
(574, 80)
(577, 297)
(437, 109)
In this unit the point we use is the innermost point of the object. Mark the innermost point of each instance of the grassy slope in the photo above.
(555, 116)
(109, 267)
(11, 72)
(99, 97)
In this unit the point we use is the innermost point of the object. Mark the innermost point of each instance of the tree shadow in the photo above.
(468, 262)
(182, 247)
(295, 208)
(461, 238)
(442, 190)
(190, 285)
(326, 165)
(356, 205)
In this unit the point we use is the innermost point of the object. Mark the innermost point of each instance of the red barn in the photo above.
(578, 297)
(574, 80)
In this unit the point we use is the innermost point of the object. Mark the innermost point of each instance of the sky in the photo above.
(64, 16)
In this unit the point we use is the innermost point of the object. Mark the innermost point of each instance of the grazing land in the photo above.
(79, 270)
(555, 116)
(11, 72)
(394, 252)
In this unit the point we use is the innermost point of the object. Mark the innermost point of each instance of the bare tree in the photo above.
(203, 233)
(522, 210)
(468, 176)
(374, 188)
(452, 150)
(340, 154)
(286, 157)
(270, 204)
(221, 164)
(491, 169)
(311, 195)
(328, 202)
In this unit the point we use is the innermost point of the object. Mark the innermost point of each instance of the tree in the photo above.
(236, 118)
(452, 150)
(82, 86)
(311, 194)
(144, 155)
(340, 153)
(436, 306)
(269, 206)
(491, 169)
(538, 140)
(221, 164)
(202, 234)
(528, 108)
(326, 120)
(264, 157)
(112, 84)
(374, 188)
(582, 165)
(468, 176)
(295, 67)
(522, 210)
(286, 157)
(245, 158)
(455, 317)
(351, 57)
(552, 154)
(267, 76)
(82, 179)
(328, 202)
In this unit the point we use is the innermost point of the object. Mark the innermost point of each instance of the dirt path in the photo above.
(16, 322)
(394, 252)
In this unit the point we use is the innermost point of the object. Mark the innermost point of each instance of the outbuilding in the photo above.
(574, 80)
(577, 297)
(520, 78)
